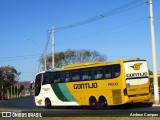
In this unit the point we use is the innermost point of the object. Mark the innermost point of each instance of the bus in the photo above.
(94, 84)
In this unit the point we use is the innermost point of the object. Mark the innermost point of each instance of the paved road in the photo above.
(26, 104)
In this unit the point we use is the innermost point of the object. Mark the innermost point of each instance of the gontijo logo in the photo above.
(136, 66)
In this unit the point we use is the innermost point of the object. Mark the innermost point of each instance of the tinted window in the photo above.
(86, 74)
(67, 77)
(56, 78)
(75, 75)
(46, 78)
(108, 72)
(116, 70)
(98, 73)
(38, 84)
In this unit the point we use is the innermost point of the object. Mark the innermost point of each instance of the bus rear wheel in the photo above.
(47, 103)
(103, 103)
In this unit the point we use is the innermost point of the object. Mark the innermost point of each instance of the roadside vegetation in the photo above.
(9, 76)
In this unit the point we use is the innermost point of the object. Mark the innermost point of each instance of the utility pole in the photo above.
(53, 48)
(156, 92)
(44, 58)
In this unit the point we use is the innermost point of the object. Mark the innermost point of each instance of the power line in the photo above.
(28, 72)
(102, 31)
(123, 8)
(26, 57)
(19, 57)
(120, 9)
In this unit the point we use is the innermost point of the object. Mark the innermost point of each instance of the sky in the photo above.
(24, 25)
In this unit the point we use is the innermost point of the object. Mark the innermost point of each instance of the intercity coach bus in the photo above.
(95, 84)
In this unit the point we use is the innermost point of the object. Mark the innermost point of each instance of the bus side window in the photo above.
(98, 74)
(86, 75)
(75, 75)
(56, 77)
(62, 75)
(116, 71)
(67, 77)
(51, 80)
(108, 72)
(46, 78)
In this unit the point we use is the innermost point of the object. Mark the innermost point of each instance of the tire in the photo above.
(48, 103)
(103, 104)
(93, 103)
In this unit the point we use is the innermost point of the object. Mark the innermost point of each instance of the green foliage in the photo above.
(150, 72)
(73, 56)
(8, 76)
(21, 88)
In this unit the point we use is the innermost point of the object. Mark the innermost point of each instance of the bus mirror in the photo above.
(31, 86)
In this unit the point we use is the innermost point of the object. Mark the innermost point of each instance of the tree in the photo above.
(73, 56)
(21, 88)
(8, 76)
(150, 72)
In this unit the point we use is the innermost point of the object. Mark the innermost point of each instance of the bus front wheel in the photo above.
(93, 102)
(47, 103)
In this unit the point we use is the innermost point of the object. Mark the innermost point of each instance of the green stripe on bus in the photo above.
(62, 92)
(58, 92)
(66, 92)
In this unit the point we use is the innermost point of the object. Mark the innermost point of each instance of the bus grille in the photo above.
(116, 96)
